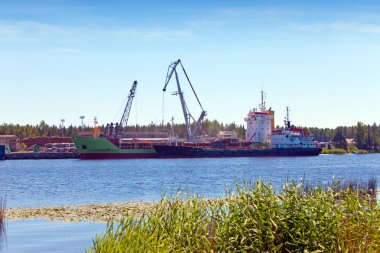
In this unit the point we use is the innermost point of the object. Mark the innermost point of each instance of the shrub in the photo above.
(336, 151)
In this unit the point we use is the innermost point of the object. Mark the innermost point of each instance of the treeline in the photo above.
(211, 128)
(363, 136)
(42, 129)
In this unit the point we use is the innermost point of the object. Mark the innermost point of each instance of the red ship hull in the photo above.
(100, 156)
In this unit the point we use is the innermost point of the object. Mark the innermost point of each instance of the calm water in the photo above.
(31, 183)
(39, 236)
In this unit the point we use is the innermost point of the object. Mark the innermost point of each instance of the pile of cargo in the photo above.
(41, 141)
(59, 147)
(54, 144)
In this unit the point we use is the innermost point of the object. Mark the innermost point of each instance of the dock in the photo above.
(41, 155)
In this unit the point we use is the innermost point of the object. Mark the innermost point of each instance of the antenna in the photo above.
(287, 113)
(262, 105)
(62, 126)
(287, 120)
(172, 126)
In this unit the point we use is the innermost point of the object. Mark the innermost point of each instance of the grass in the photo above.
(360, 151)
(255, 218)
(340, 151)
(336, 151)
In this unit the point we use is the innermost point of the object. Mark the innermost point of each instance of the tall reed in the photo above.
(253, 218)
(2, 220)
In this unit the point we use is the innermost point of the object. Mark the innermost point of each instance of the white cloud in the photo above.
(28, 31)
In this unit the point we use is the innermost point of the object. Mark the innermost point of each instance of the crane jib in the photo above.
(127, 110)
(172, 69)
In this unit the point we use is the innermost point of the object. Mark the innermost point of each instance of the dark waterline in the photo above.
(31, 183)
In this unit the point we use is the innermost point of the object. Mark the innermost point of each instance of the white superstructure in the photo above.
(292, 137)
(260, 123)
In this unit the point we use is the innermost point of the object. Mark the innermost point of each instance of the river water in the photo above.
(32, 183)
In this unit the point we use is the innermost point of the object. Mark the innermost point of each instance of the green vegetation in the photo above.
(359, 151)
(361, 136)
(337, 151)
(300, 218)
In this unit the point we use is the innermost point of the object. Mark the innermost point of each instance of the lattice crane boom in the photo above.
(124, 119)
(172, 69)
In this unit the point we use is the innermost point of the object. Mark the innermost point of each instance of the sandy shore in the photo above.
(101, 212)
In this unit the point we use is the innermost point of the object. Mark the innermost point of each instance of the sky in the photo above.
(61, 59)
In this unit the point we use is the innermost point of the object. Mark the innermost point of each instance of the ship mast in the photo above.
(287, 120)
(262, 105)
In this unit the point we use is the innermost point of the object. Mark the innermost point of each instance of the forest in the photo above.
(363, 136)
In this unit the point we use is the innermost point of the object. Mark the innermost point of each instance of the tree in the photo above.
(360, 136)
(375, 136)
(339, 140)
(42, 128)
(369, 140)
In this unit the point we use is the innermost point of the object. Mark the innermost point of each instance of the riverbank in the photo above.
(100, 212)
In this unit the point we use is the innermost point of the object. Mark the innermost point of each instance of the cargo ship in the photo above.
(101, 147)
(288, 142)
(264, 139)
(194, 152)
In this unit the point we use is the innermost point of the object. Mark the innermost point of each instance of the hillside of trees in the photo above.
(364, 136)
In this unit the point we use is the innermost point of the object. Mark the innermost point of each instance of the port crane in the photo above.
(124, 119)
(190, 133)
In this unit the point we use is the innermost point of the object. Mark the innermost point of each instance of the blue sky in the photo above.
(62, 59)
